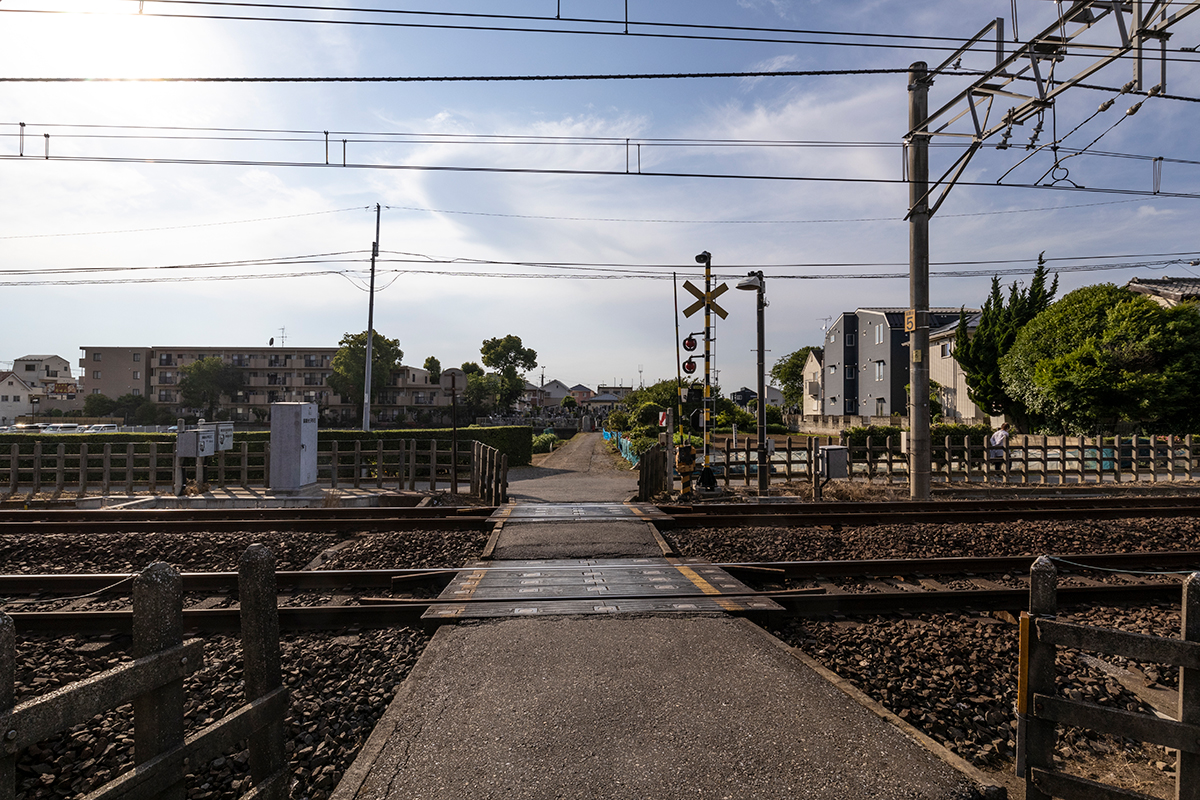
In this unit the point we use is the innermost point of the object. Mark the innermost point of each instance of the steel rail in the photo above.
(908, 517)
(298, 580)
(363, 512)
(310, 524)
(405, 613)
(1000, 504)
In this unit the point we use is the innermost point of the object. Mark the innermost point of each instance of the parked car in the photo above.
(102, 428)
(64, 427)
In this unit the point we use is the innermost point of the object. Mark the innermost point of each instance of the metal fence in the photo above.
(1040, 709)
(36, 467)
(1026, 460)
(153, 682)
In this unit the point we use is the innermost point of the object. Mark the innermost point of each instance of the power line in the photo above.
(612, 27)
(467, 78)
(579, 172)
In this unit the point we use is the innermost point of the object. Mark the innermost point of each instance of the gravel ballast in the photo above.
(953, 675)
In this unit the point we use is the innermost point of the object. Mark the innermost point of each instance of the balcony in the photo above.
(166, 361)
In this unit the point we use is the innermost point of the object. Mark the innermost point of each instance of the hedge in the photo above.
(515, 441)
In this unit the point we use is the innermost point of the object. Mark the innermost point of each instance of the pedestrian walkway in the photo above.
(622, 703)
(581, 471)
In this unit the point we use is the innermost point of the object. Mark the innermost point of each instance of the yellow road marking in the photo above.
(703, 585)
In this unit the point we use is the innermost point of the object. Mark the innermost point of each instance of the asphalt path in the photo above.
(668, 707)
(582, 471)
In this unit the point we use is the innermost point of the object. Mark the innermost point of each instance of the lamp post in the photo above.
(33, 401)
(754, 282)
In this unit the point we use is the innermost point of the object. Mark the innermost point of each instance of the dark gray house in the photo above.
(866, 361)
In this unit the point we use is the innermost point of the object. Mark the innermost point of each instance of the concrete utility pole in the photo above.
(919, 447)
(1028, 77)
(366, 426)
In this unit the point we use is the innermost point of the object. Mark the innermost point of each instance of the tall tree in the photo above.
(204, 382)
(349, 365)
(979, 355)
(510, 358)
(788, 374)
(1102, 355)
(471, 368)
(434, 368)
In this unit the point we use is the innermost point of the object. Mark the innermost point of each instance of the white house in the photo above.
(15, 397)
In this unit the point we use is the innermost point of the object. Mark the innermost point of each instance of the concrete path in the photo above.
(665, 707)
(582, 471)
(625, 706)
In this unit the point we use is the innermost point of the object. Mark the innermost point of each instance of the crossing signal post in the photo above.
(707, 300)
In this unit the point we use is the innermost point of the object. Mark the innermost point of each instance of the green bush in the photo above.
(978, 433)
(544, 442)
(618, 421)
(640, 444)
(647, 414)
(878, 434)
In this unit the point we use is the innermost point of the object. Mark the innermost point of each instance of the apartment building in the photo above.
(270, 375)
(866, 361)
(115, 371)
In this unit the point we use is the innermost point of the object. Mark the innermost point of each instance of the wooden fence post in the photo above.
(789, 459)
(154, 468)
(503, 479)
(14, 463)
(1036, 676)
(83, 468)
(379, 464)
(358, 463)
(260, 649)
(412, 465)
(158, 625)
(60, 468)
(433, 465)
(106, 476)
(333, 463)
(37, 467)
(8, 675)
(1187, 768)
(129, 468)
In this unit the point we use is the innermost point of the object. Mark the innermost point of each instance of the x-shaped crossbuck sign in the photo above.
(710, 299)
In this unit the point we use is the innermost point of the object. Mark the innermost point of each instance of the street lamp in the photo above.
(754, 282)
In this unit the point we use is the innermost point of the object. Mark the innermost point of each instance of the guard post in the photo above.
(685, 464)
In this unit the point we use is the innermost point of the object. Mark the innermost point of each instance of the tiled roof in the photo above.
(1176, 289)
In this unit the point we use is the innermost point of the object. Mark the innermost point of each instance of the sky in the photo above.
(205, 214)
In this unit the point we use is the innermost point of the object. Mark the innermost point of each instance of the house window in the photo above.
(96, 374)
(95, 391)
(137, 356)
(879, 333)
(945, 349)
(16, 398)
(849, 340)
(3, 398)
(137, 375)
(879, 370)
(32, 367)
(850, 407)
(833, 369)
(136, 392)
(95, 356)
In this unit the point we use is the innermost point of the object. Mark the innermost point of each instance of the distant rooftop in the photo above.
(1172, 290)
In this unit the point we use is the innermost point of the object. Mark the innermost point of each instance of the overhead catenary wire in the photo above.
(607, 27)
(579, 172)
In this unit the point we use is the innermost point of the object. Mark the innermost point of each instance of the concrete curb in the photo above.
(988, 789)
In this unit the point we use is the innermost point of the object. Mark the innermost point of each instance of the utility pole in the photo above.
(706, 259)
(917, 324)
(1100, 34)
(366, 425)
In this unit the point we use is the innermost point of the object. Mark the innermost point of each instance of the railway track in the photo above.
(72, 521)
(803, 588)
(846, 514)
(842, 514)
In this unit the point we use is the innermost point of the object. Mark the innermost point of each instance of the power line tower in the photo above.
(1097, 32)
